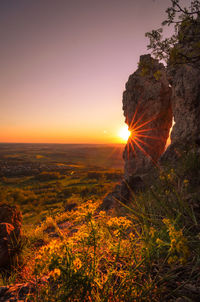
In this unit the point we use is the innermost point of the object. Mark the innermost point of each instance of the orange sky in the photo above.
(64, 65)
(59, 135)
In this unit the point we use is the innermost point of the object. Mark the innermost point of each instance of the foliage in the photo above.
(183, 46)
(97, 264)
(151, 252)
(51, 195)
(148, 252)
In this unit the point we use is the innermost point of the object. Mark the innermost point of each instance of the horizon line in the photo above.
(63, 143)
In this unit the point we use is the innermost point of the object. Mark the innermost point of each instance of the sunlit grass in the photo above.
(150, 253)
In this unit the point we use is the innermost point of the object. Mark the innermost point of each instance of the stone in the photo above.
(11, 215)
(7, 239)
(154, 97)
(110, 200)
(121, 193)
(10, 236)
(185, 81)
(148, 113)
(184, 77)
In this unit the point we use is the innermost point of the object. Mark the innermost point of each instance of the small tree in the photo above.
(184, 45)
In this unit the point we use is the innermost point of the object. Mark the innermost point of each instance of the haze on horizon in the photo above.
(64, 65)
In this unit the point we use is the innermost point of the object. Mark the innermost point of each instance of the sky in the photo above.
(64, 65)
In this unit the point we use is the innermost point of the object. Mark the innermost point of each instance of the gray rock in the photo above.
(148, 113)
(154, 96)
(184, 77)
(185, 81)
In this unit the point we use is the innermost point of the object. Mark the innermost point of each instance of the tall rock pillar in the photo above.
(148, 113)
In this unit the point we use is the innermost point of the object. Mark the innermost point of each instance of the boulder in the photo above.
(7, 241)
(11, 215)
(120, 193)
(10, 235)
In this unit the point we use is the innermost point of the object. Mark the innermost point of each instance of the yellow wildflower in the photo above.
(120, 222)
(102, 214)
(166, 221)
(160, 242)
(104, 278)
(77, 264)
(172, 259)
(152, 232)
(132, 236)
(55, 273)
(116, 233)
(173, 245)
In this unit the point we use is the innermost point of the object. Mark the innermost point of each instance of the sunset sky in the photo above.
(64, 65)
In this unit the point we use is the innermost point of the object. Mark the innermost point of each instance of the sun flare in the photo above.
(124, 133)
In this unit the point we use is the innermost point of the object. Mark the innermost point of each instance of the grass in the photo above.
(148, 254)
(36, 198)
(147, 250)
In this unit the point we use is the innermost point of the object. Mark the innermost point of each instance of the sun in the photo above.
(124, 133)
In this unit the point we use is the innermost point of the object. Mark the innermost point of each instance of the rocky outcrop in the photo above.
(154, 97)
(183, 72)
(148, 113)
(185, 81)
(10, 235)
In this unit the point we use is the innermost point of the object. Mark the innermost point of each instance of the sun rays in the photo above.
(139, 130)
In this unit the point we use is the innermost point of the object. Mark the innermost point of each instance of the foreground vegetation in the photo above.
(144, 251)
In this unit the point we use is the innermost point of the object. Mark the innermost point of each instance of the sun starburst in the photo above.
(139, 129)
(124, 133)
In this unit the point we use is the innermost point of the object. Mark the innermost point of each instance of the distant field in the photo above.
(44, 178)
(97, 155)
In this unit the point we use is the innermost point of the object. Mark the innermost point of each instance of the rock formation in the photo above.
(148, 113)
(185, 81)
(10, 235)
(183, 72)
(154, 96)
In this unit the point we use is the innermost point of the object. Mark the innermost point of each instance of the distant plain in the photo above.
(44, 178)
